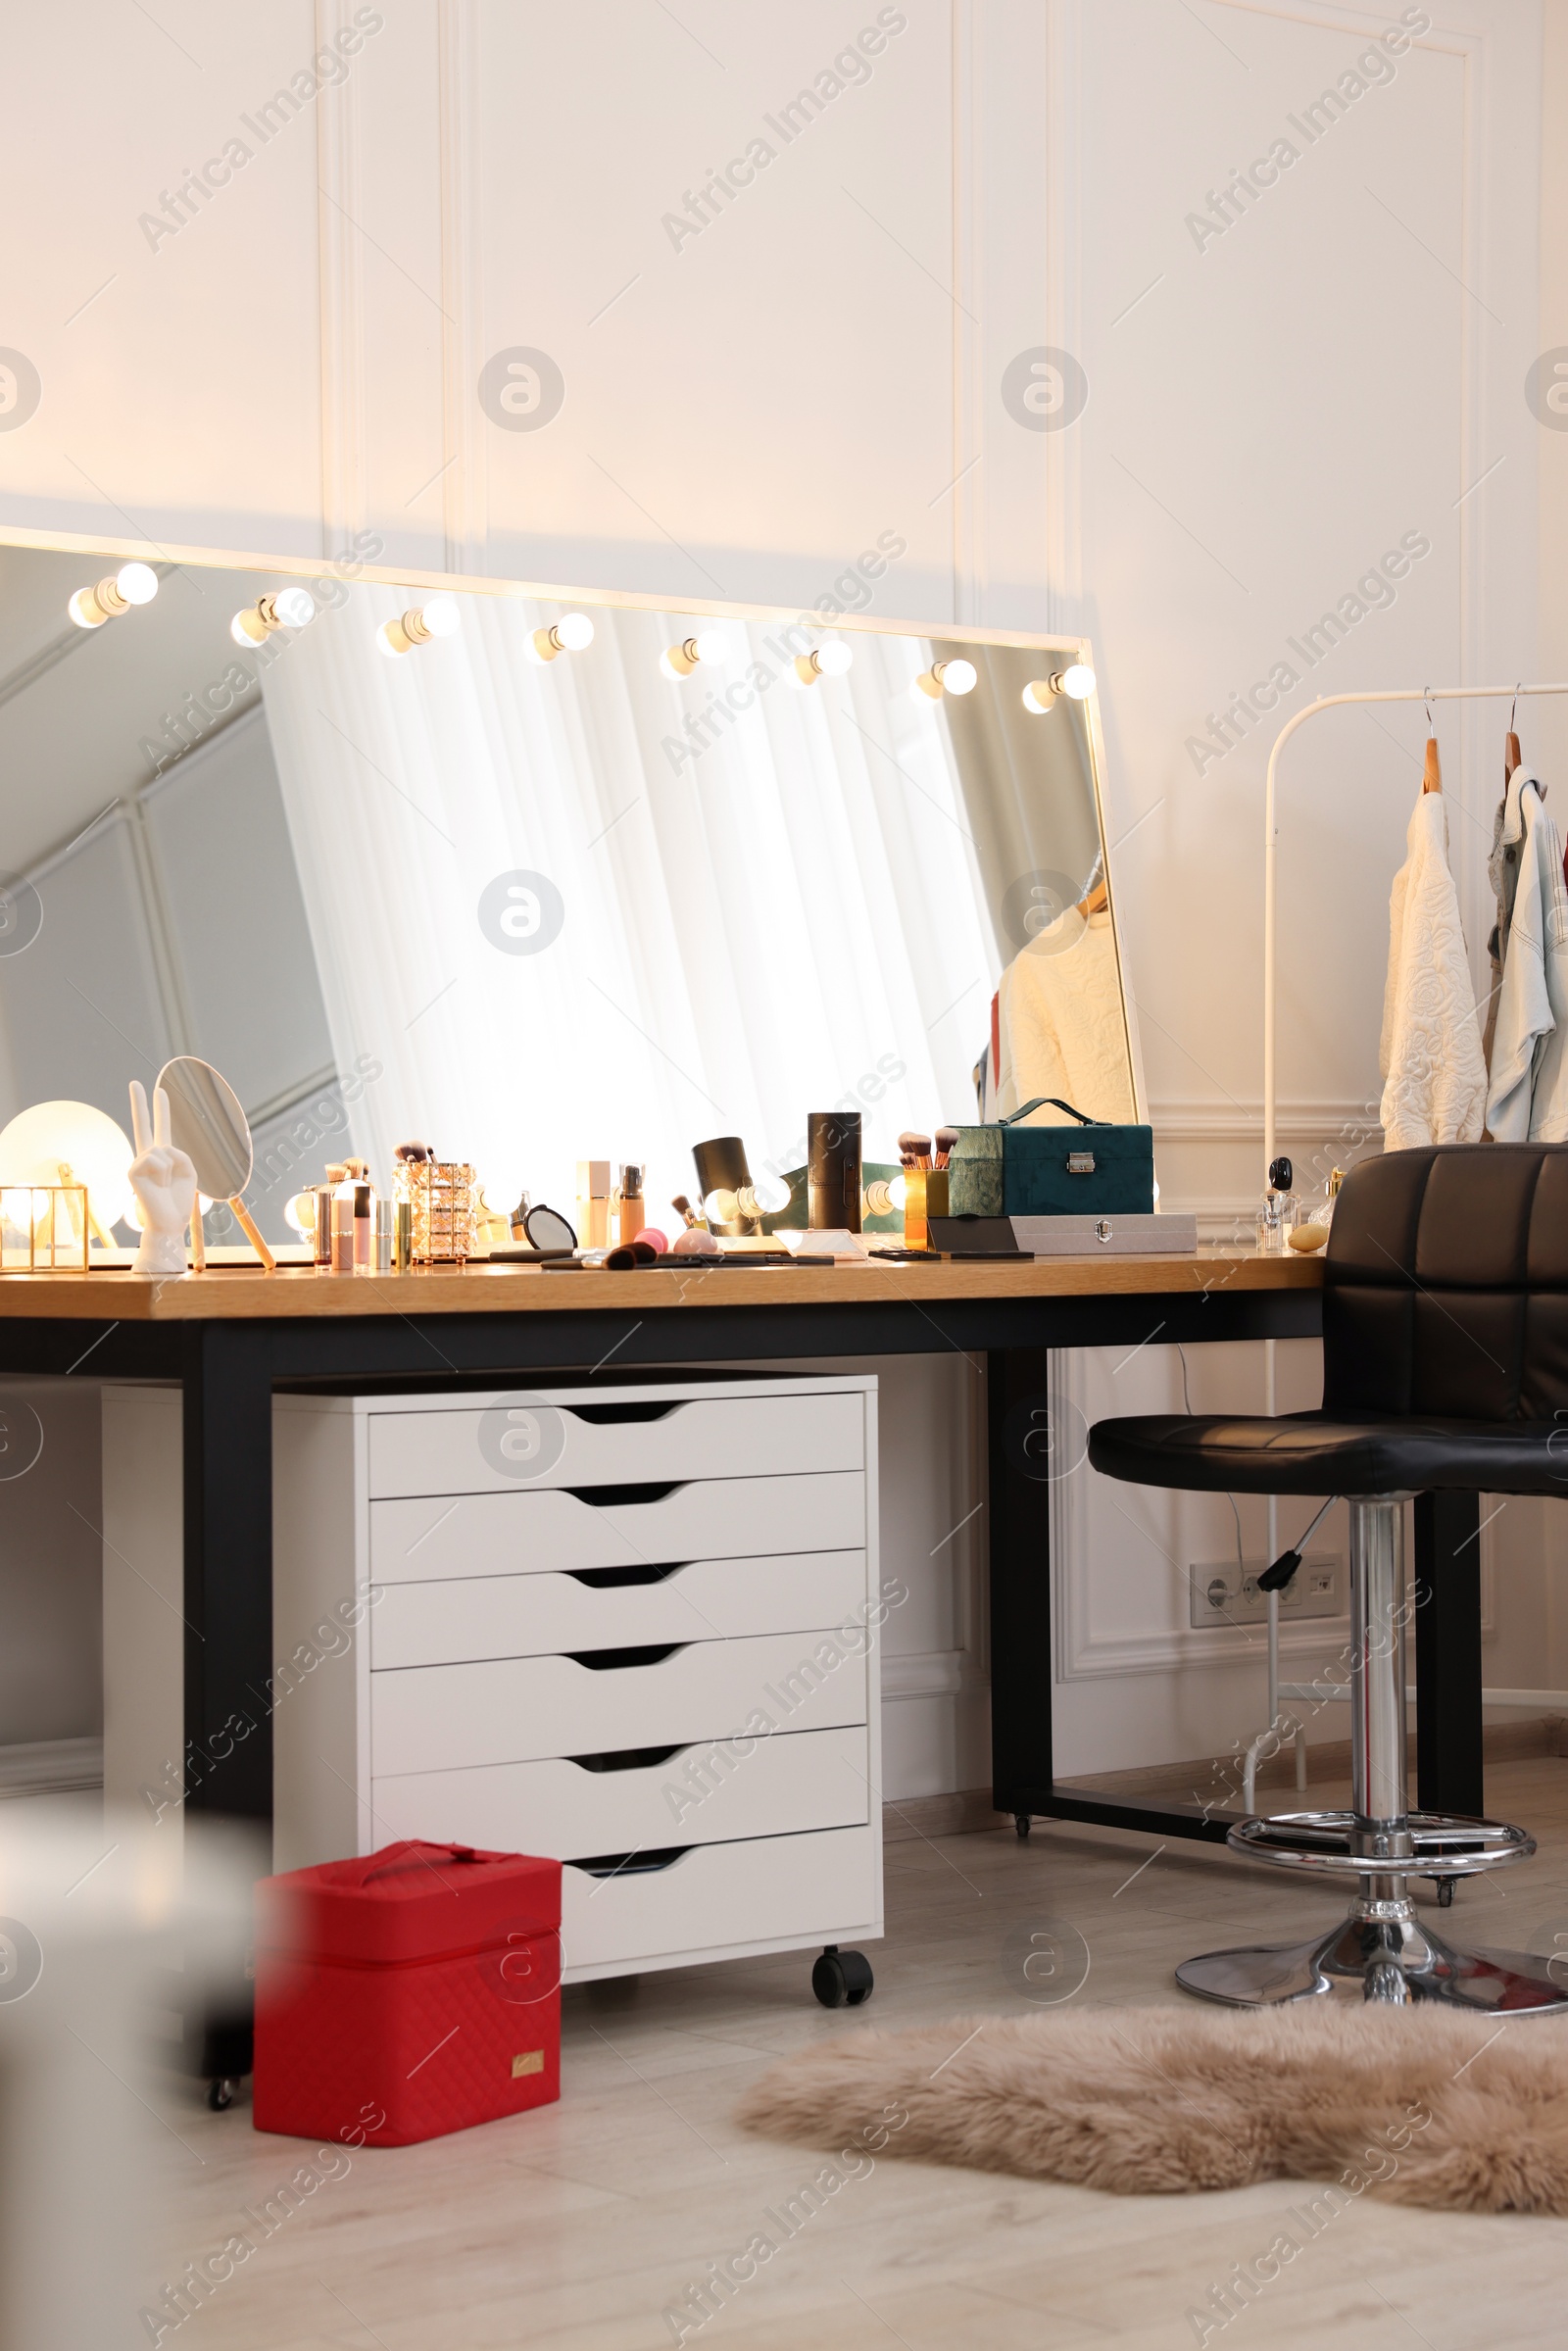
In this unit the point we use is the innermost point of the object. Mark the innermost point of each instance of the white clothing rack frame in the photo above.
(1326, 702)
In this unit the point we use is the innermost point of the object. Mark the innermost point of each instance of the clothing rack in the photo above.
(1327, 701)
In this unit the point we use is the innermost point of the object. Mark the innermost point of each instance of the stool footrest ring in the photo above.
(1434, 1845)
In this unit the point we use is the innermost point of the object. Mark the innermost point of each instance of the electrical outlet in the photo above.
(1219, 1593)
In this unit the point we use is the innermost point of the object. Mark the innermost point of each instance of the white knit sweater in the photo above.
(1435, 1088)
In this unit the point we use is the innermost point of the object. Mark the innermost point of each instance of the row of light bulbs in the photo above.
(573, 632)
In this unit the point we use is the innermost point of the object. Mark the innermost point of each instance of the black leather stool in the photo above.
(1445, 1365)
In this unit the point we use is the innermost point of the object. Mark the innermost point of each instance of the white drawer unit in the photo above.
(634, 1627)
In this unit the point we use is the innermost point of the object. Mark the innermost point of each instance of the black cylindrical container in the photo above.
(721, 1168)
(833, 1171)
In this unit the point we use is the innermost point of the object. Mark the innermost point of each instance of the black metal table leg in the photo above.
(228, 1569)
(228, 1633)
(1026, 1457)
(1448, 1653)
(1020, 1579)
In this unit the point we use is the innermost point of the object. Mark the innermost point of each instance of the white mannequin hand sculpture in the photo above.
(164, 1184)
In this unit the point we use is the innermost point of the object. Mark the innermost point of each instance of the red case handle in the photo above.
(390, 1855)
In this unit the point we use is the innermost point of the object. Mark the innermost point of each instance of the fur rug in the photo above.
(1419, 2107)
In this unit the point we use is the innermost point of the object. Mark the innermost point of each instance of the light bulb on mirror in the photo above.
(300, 1212)
(108, 599)
(949, 677)
(573, 632)
(771, 1195)
(1076, 681)
(828, 660)
(441, 616)
(285, 608)
(709, 645)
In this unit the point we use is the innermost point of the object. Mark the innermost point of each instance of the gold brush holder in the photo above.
(442, 1195)
(925, 1194)
(45, 1227)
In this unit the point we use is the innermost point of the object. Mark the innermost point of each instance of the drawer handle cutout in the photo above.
(603, 1661)
(607, 1498)
(632, 1865)
(626, 1760)
(615, 1579)
(610, 1416)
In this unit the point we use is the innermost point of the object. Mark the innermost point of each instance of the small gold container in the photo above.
(45, 1227)
(925, 1194)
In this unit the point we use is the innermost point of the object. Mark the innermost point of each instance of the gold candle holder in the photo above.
(45, 1227)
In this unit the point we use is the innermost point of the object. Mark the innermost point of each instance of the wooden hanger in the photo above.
(1095, 902)
(1511, 758)
(1432, 772)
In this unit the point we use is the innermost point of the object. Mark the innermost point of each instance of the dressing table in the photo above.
(521, 870)
(233, 1335)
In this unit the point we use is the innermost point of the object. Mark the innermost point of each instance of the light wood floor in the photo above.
(577, 2226)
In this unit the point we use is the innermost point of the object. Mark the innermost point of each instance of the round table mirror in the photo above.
(206, 1123)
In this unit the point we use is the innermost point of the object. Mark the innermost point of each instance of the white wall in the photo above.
(745, 408)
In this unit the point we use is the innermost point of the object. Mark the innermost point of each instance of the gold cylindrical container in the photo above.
(916, 1183)
(441, 1201)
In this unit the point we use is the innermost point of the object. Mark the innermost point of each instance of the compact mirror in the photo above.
(206, 1123)
(548, 1229)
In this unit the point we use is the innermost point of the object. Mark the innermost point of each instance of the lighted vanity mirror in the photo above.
(540, 881)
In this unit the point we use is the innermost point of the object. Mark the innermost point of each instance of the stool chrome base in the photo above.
(1422, 1844)
(1381, 1952)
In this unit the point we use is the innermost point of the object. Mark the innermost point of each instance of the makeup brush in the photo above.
(947, 1137)
(918, 1147)
(683, 1208)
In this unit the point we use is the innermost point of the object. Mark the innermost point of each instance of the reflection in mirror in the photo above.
(539, 880)
(207, 1124)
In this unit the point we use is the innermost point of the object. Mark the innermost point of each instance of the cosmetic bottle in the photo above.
(629, 1205)
(1314, 1217)
(593, 1204)
(322, 1193)
(353, 1220)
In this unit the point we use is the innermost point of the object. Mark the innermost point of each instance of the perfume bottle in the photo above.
(1277, 1209)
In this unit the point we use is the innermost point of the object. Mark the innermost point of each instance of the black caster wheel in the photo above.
(842, 1978)
(1021, 1822)
(1445, 1893)
(220, 2095)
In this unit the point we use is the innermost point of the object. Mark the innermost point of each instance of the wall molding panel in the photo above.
(340, 249)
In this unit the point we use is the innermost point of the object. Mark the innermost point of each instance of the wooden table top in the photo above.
(244, 1293)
